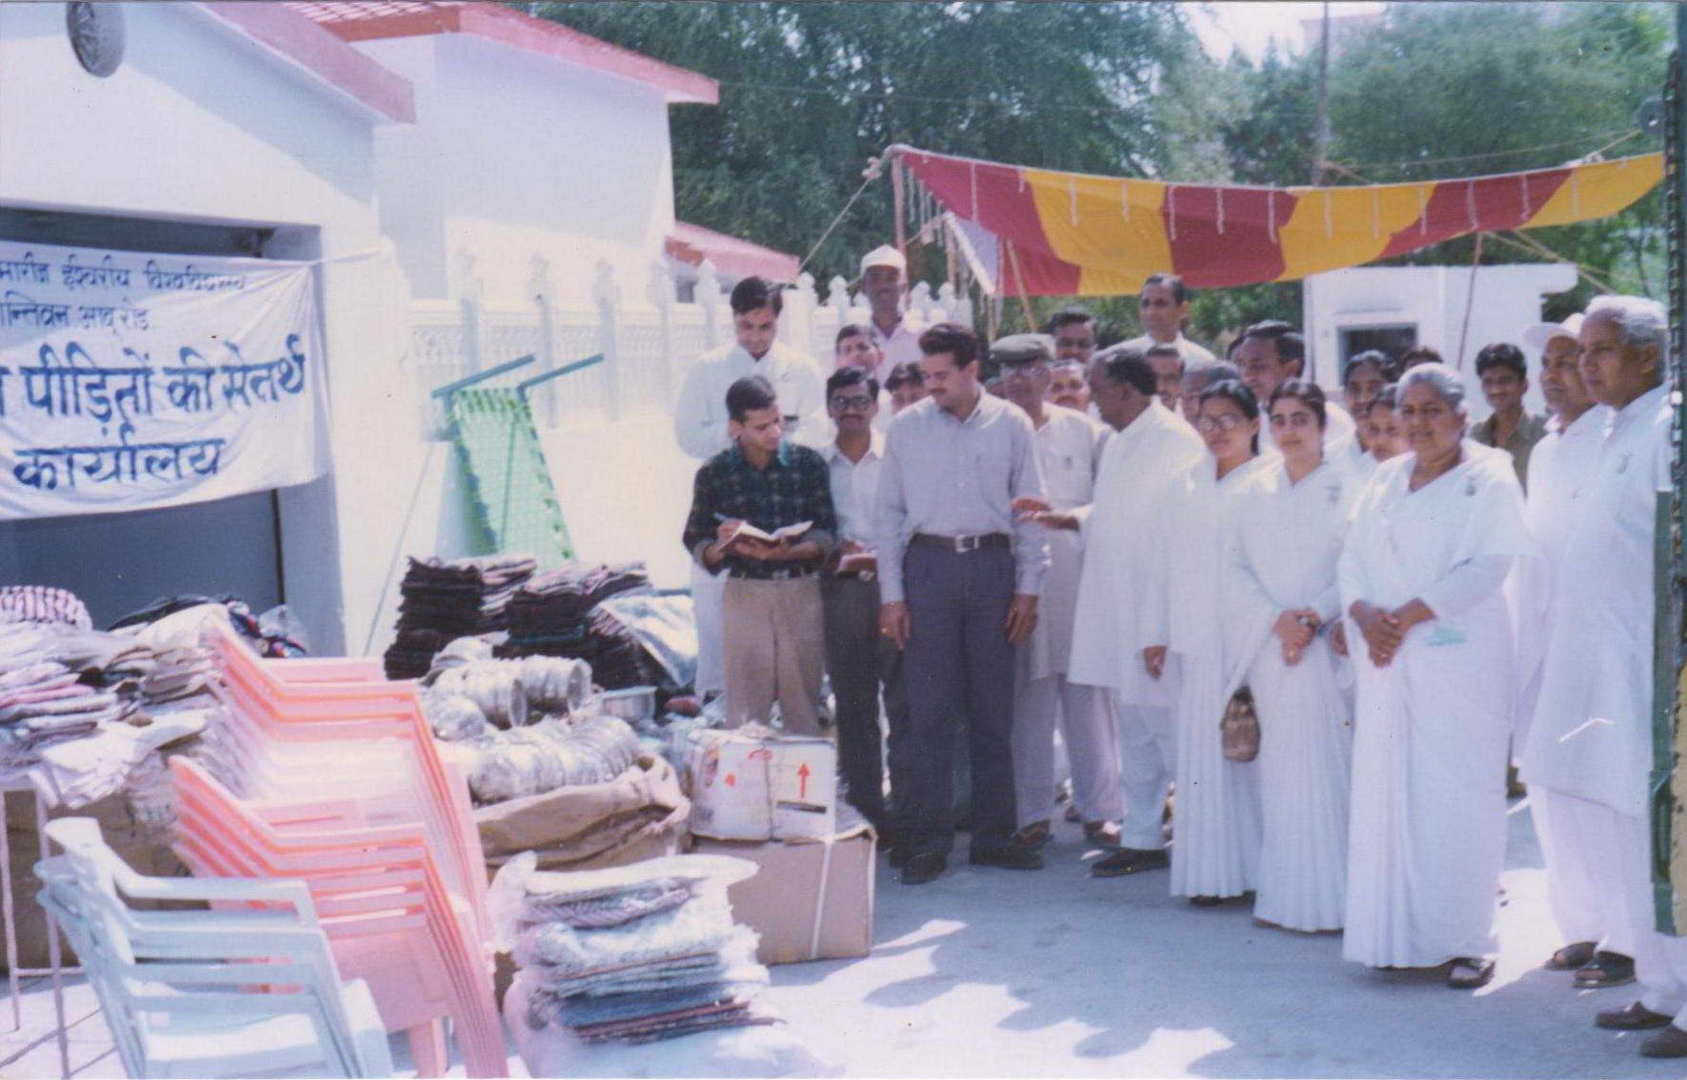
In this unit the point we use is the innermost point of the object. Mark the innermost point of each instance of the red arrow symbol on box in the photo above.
(802, 774)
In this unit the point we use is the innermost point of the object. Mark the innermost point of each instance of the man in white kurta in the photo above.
(1068, 447)
(1149, 448)
(700, 418)
(1561, 472)
(1592, 732)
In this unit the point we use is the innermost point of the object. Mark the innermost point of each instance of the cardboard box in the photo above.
(752, 784)
(809, 899)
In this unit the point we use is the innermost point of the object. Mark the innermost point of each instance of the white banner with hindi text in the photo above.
(130, 381)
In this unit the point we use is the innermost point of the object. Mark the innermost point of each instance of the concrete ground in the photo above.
(1055, 973)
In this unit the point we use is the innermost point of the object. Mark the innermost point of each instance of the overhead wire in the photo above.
(1615, 136)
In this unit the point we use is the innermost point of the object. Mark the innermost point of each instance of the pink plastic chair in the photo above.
(278, 727)
(380, 899)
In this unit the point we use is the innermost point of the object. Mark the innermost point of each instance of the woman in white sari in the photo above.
(1289, 539)
(1434, 535)
(1215, 823)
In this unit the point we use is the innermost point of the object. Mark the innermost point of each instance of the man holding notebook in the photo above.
(761, 513)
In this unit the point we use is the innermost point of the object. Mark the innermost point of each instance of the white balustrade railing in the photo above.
(644, 334)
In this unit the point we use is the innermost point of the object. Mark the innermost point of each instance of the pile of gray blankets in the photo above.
(635, 953)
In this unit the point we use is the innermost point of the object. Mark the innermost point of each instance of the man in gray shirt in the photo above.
(959, 579)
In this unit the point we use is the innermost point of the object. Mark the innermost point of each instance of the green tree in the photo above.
(1448, 89)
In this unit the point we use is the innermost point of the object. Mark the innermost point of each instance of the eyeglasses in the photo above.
(1023, 371)
(1227, 422)
(853, 403)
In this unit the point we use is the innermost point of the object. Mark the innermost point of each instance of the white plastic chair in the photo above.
(247, 989)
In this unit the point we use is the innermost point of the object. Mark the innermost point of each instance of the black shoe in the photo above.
(1671, 1042)
(1605, 969)
(1007, 857)
(899, 855)
(924, 867)
(1577, 954)
(1130, 861)
(1634, 1017)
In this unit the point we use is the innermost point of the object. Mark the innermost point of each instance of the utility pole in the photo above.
(1322, 144)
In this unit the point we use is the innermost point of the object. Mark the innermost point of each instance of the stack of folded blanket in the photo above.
(447, 599)
(43, 702)
(619, 660)
(636, 953)
(80, 709)
(550, 614)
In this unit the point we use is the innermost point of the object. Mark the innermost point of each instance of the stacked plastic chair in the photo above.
(339, 783)
(250, 989)
(286, 737)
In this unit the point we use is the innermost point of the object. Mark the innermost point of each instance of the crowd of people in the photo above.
(1289, 644)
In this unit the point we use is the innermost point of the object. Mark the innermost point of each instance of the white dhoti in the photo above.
(1147, 766)
(708, 599)
(1660, 961)
(1085, 717)
(1581, 841)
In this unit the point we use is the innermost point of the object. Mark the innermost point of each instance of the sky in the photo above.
(1251, 25)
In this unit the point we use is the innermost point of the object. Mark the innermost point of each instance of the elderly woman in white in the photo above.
(1434, 535)
(1216, 823)
(1290, 535)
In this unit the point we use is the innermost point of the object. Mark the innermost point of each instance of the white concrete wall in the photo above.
(202, 124)
(1505, 301)
(516, 155)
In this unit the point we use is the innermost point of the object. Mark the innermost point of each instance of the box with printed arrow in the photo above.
(752, 783)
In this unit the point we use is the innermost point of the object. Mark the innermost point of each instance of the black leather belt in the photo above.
(781, 574)
(960, 545)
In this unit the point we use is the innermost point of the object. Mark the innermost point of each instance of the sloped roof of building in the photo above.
(320, 55)
(365, 20)
(733, 257)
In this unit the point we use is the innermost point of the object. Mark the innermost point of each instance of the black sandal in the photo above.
(1470, 972)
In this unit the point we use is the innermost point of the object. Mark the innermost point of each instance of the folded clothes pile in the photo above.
(635, 953)
(43, 702)
(447, 599)
(550, 613)
(619, 659)
(80, 708)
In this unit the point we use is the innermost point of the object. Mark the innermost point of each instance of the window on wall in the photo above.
(1392, 339)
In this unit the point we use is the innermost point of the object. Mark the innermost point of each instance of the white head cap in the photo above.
(884, 255)
(1539, 334)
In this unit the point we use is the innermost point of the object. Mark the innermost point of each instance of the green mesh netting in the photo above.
(509, 482)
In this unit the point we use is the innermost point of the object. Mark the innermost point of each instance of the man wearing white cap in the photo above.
(1598, 946)
(883, 276)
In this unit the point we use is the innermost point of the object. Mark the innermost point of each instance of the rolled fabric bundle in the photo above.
(495, 687)
(453, 717)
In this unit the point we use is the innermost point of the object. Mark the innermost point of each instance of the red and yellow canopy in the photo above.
(1059, 233)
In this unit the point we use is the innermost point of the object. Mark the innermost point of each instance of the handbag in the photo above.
(1239, 730)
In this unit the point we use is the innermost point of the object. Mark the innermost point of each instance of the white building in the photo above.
(1394, 308)
(475, 185)
(224, 129)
